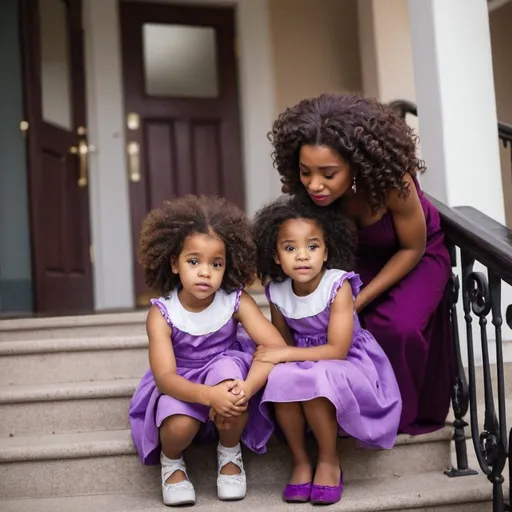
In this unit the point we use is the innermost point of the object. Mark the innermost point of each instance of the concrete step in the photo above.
(75, 349)
(108, 324)
(61, 408)
(84, 406)
(426, 492)
(80, 406)
(105, 462)
(120, 324)
(48, 361)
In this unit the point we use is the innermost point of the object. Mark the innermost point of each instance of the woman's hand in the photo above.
(223, 401)
(360, 302)
(272, 355)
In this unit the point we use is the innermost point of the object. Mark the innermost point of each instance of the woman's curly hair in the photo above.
(165, 229)
(378, 145)
(339, 237)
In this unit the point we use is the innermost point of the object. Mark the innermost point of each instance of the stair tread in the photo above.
(113, 442)
(69, 445)
(98, 319)
(67, 390)
(397, 493)
(54, 345)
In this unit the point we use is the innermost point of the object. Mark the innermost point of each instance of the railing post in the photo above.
(460, 392)
(482, 296)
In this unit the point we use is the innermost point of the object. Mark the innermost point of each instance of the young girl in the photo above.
(341, 148)
(336, 378)
(199, 253)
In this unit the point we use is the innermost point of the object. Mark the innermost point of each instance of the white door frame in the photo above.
(109, 193)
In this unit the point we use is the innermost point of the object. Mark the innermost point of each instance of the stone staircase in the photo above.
(65, 446)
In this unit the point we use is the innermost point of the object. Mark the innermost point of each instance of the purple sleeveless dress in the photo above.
(411, 321)
(208, 351)
(362, 387)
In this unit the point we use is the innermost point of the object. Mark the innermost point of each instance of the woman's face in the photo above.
(325, 174)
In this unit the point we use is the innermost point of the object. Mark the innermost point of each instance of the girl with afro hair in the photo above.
(355, 152)
(198, 254)
(335, 378)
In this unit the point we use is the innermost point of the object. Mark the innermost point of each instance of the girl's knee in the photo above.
(224, 366)
(180, 424)
(227, 424)
(287, 407)
(319, 404)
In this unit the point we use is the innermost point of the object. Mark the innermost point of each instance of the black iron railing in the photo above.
(479, 239)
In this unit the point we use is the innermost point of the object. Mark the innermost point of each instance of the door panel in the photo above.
(181, 101)
(53, 62)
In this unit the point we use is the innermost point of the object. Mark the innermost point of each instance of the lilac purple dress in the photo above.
(208, 351)
(362, 387)
(411, 321)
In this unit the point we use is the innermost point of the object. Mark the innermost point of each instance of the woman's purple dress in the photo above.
(362, 387)
(411, 320)
(208, 350)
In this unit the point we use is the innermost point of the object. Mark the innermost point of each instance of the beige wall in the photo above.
(501, 39)
(386, 49)
(386, 52)
(315, 48)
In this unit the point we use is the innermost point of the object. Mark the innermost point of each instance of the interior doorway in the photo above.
(181, 105)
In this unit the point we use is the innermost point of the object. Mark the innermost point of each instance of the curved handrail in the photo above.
(404, 107)
(483, 240)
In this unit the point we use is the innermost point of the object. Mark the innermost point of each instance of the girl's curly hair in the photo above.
(339, 237)
(165, 229)
(378, 145)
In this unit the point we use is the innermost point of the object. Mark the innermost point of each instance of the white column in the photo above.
(456, 103)
(386, 52)
(457, 116)
(109, 198)
(257, 91)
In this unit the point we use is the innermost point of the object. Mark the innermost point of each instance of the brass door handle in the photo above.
(82, 150)
(133, 150)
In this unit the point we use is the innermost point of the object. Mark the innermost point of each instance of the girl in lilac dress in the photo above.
(199, 253)
(334, 376)
(355, 152)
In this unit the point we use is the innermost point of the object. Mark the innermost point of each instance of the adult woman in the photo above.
(355, 152)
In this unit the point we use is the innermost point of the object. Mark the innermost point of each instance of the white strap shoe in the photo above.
(231, 487)
(181, 493)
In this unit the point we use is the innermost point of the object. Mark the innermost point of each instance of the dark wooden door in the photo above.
(54, 83)
(181, 105)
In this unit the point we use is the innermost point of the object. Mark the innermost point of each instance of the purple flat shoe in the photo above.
(326, 495)
(297, 493)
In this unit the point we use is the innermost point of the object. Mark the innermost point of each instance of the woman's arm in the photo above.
(411, 229)
(339, 335)
(163, 367)
(263, 333)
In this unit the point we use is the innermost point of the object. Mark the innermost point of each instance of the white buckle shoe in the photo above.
(230, 487)
(181, 493)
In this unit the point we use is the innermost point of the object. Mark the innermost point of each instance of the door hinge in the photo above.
(91, 254)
